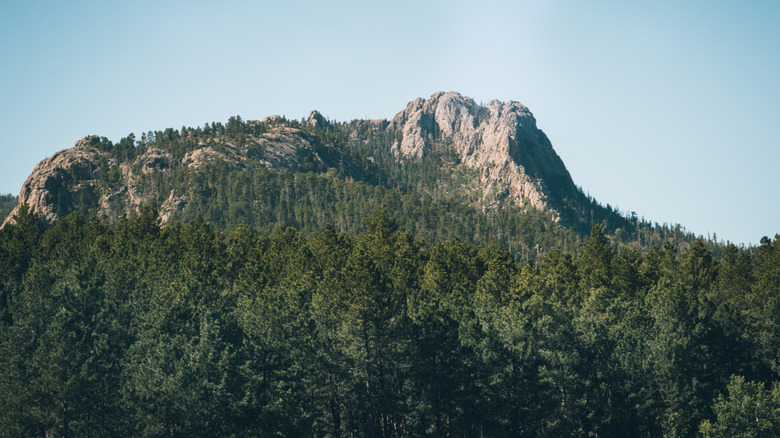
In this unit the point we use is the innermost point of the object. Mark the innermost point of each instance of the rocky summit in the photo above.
(500, 156)
(500, 139)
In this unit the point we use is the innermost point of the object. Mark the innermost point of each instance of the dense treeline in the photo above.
(7, 203)
(186, 330)
(267, 199)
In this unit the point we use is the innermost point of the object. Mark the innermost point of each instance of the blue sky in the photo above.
(666, 108)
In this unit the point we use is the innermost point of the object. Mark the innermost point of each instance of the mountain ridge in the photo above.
(487, 141)
(439, 160)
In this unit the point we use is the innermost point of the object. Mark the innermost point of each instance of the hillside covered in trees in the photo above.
(186, 330)
(444, 167)
(7, 204)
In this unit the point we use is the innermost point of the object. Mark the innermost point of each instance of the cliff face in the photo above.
(56, 182)
(500, 139)
(510, 158)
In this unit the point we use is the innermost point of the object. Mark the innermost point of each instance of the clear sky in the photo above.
(666, 108)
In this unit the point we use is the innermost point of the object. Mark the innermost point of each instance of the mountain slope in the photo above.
(446, 166)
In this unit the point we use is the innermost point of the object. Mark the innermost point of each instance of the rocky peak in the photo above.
(59, 177)
(500, 138)
(316, 120)
(87, 142)
(272, 119)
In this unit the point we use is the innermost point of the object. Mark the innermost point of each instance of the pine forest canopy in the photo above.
(185, 330)
(7, 204)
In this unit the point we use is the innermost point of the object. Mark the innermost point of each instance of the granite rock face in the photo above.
(316, 120)
(500, 139)
(55, 183)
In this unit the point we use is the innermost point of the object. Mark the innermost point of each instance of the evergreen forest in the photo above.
(192, 329)
(7, 203)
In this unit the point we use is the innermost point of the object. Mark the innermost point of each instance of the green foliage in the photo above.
(188, 330)
(749, 411)
(7, 203)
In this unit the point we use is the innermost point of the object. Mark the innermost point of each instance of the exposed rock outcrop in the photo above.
(203, 156)
(500, 139)
(56, 184)
(316, 120)
(172, 205)
(155, 160)
(272, 119)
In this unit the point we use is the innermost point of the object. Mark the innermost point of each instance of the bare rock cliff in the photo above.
(55, 183)
(500, 139)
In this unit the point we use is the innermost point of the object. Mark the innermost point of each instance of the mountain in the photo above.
(447, 166)
(390, 311)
